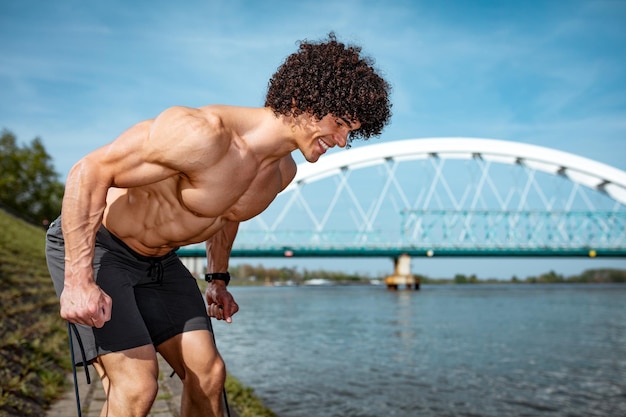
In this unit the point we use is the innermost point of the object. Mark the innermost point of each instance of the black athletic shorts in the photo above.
(154, 298)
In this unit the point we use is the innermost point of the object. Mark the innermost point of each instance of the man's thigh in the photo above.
(130, 380)
(190, 351)
(136, 364)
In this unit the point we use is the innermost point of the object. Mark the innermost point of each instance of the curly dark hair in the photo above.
(328, 77)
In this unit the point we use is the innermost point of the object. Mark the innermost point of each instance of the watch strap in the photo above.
(217, 276)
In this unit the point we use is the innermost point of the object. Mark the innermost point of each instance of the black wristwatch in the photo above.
(218, 276)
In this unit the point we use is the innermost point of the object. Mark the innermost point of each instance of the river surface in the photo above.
(447, 350)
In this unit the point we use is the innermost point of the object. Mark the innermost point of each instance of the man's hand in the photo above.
(87, 305)
(221, 303)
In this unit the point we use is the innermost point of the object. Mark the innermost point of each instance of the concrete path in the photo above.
(92, 396)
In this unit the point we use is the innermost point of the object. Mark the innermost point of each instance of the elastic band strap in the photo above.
(69, 333)
(82, 352)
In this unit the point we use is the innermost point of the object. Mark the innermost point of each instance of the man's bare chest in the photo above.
(235, 196)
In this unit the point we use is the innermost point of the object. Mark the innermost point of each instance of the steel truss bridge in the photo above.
(443, 197)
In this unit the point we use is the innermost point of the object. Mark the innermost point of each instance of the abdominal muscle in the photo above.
(153, 222)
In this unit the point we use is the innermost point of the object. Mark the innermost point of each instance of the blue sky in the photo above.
(553, 73)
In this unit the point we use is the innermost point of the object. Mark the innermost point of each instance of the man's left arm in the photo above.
(221, 303)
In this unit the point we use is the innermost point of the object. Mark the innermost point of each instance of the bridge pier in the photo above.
(402, 274)
(195, 265)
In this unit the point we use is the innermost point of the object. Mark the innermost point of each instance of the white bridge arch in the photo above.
(578, 169)
(443, 196)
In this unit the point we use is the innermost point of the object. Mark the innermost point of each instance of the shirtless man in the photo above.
(188, 176)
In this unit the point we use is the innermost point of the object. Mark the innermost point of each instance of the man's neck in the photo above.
(267, 135)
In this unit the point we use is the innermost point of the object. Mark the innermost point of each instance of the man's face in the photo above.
(327, 133)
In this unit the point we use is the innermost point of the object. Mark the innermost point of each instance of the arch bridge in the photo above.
(443, 197)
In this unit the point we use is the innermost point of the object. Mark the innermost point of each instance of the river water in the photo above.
(447, 350)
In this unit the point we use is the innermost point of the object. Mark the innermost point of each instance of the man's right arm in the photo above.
(84, 201)
(141, 155)
(82, 301)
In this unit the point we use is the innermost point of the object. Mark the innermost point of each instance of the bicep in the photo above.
(125, 163)
(154, 150)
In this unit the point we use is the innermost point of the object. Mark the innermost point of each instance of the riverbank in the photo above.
(92, 397)
(242, 401)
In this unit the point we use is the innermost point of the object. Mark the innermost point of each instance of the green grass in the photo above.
(34, 356)
(34, 352)
(244, 400)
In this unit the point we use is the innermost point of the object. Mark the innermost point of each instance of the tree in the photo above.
(460, 279)
(551, 277)
(29, 184)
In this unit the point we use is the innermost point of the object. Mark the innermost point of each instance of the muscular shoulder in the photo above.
(189, 122)
(195, 133)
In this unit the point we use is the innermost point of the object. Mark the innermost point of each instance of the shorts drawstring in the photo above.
(155, 267)
(155, 271)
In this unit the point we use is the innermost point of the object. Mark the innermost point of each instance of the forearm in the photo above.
(221, 304)
(219, 246)
(83, 207)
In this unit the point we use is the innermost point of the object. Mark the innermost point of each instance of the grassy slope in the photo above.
(33, 344)
(34, 353)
